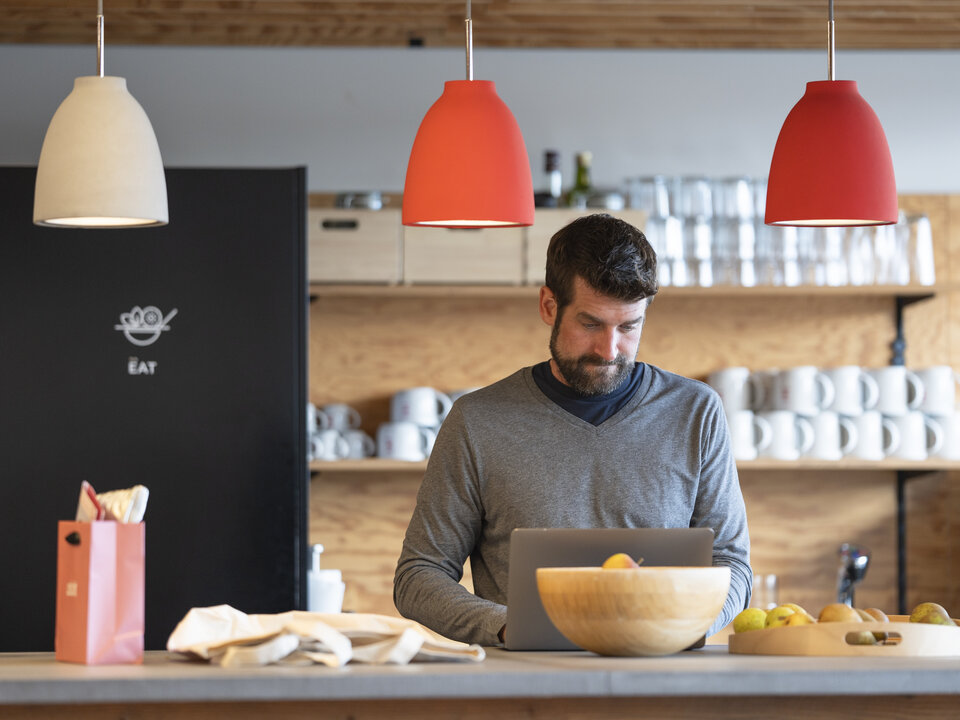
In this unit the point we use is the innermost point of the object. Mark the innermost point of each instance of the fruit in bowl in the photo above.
(633, 611)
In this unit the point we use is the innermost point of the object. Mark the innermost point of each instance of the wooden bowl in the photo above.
(636, 611)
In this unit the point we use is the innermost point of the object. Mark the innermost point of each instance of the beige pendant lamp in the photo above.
(100, 165)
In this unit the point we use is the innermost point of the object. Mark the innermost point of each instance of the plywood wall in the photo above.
(364, 349)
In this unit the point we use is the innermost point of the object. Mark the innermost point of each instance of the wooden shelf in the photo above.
(383, 465)
(888, 464)
(531, 291)
(374, 465)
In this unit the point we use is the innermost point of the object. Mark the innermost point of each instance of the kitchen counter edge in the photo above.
(37, 678)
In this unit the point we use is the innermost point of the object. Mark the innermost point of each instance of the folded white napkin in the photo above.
(225, 635)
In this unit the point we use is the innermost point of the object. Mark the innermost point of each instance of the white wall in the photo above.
(350, 115)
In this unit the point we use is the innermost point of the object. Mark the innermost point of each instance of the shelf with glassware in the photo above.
(384, 465)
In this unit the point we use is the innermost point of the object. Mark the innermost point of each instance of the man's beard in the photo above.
(581, 372)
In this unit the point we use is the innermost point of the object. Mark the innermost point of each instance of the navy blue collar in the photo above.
(593, 409)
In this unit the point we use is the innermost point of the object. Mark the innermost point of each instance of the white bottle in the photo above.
(324, 587)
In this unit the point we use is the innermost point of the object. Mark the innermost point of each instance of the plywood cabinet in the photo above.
(368, 342)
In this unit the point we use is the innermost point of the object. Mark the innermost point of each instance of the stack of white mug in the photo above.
(845, 411)
(333, 433)
(415, 416)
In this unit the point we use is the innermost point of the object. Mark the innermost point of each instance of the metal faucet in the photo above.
(853, 566)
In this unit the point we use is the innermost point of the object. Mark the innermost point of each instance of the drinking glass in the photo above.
(725, 251)
(696, 212)
(859, 254)
(665, 236)
(733, 198)
(809, 256)
(790, 255)
(834, 260)
(920, 250)
(652, 194)
(886, 253)
(767, 261)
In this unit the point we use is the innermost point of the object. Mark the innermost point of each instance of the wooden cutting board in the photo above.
(905, 639)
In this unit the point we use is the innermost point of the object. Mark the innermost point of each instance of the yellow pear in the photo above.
(866, 616)
(750, 619)
(799, 618)
(928, 612)
(877, 615)
(620, 561)
(778, 616)
(839, 612)
(797, 609)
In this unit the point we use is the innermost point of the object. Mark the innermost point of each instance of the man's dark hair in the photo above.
(612, 256)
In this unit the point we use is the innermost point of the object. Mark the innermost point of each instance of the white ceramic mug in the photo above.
(833, 436)
(359, 444)
(749, 434)
(316, 419)
(423, 406)
(950, 449)
(920, 436)
(877, 436)
(855, 390)
(901, 390)
(328, 445)
(805, 390)
(404, 440)
(342, 417)
(766, 388)
(738, 388)
(940, 390)
(791, 435)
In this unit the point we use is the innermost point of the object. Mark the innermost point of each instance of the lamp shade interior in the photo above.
(469, 165)
(100, 164)
(831, 165)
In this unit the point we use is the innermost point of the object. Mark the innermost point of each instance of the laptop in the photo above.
(528, 627)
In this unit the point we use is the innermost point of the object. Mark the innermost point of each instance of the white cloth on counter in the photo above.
(224, 635)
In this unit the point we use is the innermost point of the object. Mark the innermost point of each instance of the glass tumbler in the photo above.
(920, 250)
(696, 213)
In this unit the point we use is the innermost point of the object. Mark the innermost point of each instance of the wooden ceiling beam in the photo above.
(773, 24)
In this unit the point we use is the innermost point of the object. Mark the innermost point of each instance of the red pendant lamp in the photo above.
(469, 166)
(831, 165)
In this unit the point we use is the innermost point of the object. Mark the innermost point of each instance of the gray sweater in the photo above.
(507, 457)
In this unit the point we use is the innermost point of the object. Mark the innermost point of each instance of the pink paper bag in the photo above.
(100, 592)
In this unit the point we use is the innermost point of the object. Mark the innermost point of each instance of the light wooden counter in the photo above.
(702, 683)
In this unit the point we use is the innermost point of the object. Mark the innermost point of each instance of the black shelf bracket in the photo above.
(899, 344)
(902, 477)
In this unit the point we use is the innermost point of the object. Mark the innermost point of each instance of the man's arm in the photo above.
(442, 533)
(720, 506)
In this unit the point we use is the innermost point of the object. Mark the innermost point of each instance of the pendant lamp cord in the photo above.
(100, 38)
(831, 69)
(468, 26)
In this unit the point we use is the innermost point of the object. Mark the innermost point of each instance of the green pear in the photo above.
(861, 638)
(928, 612)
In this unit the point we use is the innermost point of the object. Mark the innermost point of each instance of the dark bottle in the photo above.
(552, 188)
(582, 188)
